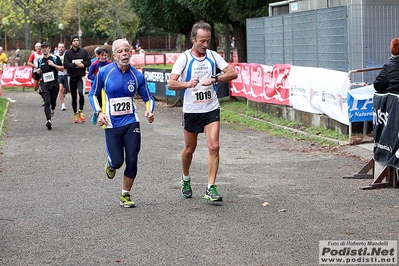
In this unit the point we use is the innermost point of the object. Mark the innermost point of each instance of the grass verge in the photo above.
(3, 117)
(241, 116)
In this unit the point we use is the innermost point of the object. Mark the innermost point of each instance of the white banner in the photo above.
(320, 91)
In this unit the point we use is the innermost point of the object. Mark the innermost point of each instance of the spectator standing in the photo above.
(387, 80)
(17, 56)
(120, 81)
(49, 65)
(141, 50)
(195, 72)
(76, 60)
(62, 77)
(3, 64)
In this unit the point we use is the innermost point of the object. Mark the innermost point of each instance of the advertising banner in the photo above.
(386, 129)
(319, 90)
(157, 80)
(17, 76)
(261, 83)
(360, 104)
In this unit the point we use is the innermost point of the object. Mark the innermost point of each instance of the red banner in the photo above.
(17, 76)
(261, 83)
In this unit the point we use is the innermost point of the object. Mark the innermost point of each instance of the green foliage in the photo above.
(43, 20)
(168, 15)
(40, 19)
(115, 19)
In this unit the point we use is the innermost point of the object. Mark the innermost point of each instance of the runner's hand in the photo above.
(150, 116)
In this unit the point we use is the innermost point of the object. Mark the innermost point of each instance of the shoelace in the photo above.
(127, 197)
(213, 190)
(186, 184)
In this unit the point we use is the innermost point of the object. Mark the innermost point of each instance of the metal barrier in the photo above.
(365, 137)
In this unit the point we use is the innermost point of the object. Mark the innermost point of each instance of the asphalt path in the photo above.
(58, 208)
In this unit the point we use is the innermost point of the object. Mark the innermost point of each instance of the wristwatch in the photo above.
(215, 77)
(97, 113)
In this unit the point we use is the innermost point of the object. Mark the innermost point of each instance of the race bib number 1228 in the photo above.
(121, 106)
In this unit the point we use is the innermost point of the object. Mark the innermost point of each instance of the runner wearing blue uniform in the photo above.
(118, 82)
(100, 61)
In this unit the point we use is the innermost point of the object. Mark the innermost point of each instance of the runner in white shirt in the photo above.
(195, 72)
(62, 77)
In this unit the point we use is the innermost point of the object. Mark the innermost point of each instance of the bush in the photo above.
(90, 49)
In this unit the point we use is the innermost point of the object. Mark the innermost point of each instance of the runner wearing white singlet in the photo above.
(195, 72)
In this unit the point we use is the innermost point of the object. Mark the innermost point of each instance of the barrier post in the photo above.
(365, 137)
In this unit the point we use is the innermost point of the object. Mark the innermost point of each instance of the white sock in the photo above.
(209, 185)
(186, 178)
(125, 191)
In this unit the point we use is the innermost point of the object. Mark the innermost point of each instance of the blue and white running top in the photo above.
(118, 94)
(201, 99)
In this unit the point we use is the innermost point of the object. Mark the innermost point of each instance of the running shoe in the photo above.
(109, 171)
(48, 125)
(82, 117)
(94, 119)
(52, 113)
(76, 118)
(43, 103)
(63, 107)
(126, 201)
(212, 194)
(186, 188)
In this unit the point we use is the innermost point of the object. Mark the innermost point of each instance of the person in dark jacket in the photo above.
(76, 60)
(387, 80)
(48, 67)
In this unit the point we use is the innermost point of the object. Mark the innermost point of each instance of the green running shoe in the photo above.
(109, 171)
(212, 194)
(126, 201)
(186, 188)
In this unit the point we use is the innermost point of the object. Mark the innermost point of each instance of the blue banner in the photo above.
(360, 104)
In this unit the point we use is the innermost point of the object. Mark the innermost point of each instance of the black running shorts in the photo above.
(195, 122)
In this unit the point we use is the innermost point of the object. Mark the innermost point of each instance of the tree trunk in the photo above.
(240, 33)
(227, 43)
(27, 29)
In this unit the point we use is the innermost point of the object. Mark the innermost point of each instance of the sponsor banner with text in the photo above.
(320, 90)
(386, 129)
(360, 104)
(262, 83)
(17, 76)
